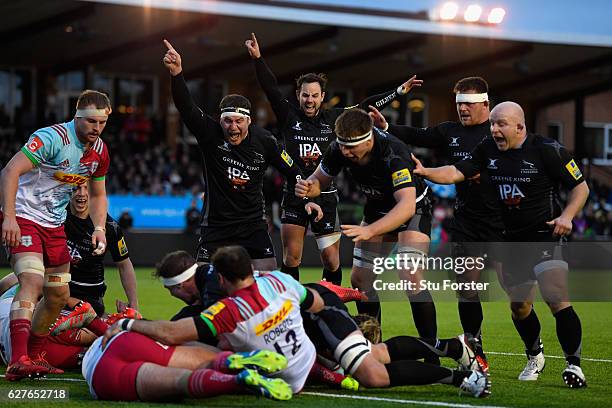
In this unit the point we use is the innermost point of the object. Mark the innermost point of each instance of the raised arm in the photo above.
(380, 101)
(267, 80)
(197, 122)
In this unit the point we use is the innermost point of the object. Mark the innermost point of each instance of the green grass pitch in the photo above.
(499, 337)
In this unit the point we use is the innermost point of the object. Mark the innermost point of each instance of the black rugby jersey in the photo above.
(234, 174)
(475, 198)
(304, 138)
(209, 286)
(388, 170)
(526, 180)
(85, 267)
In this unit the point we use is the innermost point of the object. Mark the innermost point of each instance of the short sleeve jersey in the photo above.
(389, 170)
(526, 180)
(61, 163)
(265, 315)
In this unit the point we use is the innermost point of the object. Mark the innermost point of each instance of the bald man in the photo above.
(526, 170)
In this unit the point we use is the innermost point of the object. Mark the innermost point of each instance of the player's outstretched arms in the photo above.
(178, 332)
(440, 175)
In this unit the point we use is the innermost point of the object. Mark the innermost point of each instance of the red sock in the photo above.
(36, 343)
(325, 375)
(220, 363)
(208, 383)
(20, 333)
(98, 326)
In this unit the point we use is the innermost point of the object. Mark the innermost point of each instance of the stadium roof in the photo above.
(358, 47)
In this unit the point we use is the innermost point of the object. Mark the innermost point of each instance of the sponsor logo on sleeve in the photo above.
(34, 144)
(122, 247)
(213, 310)
(400, 177)
(573, 169)
(287, 158)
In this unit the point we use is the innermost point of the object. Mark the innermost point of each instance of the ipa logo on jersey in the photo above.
(35, 144)
(274, 320)
(573, 169)
(287, 158)
(400, 177)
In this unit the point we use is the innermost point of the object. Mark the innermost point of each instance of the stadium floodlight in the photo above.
(449, 11)
(472, 13)
(496, 15)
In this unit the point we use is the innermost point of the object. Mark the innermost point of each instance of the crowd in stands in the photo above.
(144, 164)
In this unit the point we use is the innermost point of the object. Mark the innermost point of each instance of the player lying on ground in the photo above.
(132, 366)
(263, 312)
(199, 287)
(335, 334)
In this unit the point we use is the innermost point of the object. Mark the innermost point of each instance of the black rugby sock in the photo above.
(470, 314)
(294, 271)
(413, 348)
(371, 307)
(407, 372)
(334, 277)
(569, 333)
(424, 316)
(529, 330)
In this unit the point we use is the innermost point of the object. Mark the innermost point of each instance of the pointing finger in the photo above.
(168, 45)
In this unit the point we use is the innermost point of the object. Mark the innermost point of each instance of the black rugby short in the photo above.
(253, 237)
(295, 214)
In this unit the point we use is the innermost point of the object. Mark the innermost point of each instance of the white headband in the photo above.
(83, 113)
(234, 111)
(182, 277)
(471, 98)
(355, 141)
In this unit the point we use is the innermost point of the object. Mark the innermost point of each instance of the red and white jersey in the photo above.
(61, 163)
(266, 315)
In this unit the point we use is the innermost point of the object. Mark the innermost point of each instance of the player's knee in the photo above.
(56, 287)
(292, 259)
(372, 374)
(520, 310)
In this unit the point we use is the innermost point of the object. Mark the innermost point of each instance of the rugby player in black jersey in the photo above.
(306, 130)
(235, 155)
(397, 209)
(477, 217)
(87, 268)
(526, 171)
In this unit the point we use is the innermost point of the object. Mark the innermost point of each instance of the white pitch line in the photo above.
(55, 379)
(400, 401)
(501, 353)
